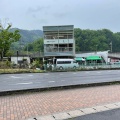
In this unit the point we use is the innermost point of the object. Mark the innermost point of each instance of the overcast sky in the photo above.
(84, 14)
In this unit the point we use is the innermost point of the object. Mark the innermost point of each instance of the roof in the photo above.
(65, 59)
(93, 58)
(60, 28)
(79, 58)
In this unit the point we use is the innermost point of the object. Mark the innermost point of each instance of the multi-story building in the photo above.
(59, 41)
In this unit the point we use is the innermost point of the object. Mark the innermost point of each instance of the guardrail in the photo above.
(86, 67)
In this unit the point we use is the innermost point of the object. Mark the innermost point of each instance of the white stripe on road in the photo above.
(15, 77)
(30, 75)
(74, 73)
(98, 72)
(23, 83)
(46, 74)
(61, 74)
(87, 72)
(51, 81)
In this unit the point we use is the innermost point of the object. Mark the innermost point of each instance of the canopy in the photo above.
(79, 59)
(93, 58)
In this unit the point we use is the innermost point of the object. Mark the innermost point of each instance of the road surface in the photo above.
(10, 82)
(106, 115)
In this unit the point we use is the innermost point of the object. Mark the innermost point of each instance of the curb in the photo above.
(77, 112)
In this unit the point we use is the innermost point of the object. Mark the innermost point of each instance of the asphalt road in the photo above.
(10, 82)
(106, 115)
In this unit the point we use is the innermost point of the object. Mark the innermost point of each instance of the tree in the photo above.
(35, 46)
(38, 45)
(7, 38)
(96, 40)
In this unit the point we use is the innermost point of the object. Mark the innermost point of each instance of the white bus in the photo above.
(66, 63)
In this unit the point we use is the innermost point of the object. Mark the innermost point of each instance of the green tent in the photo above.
(78, 58)
(93, 58)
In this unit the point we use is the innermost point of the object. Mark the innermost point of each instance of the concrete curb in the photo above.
(77, 112)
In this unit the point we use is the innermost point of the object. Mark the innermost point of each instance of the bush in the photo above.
(5, 64)
(36, 64)
(8, 63)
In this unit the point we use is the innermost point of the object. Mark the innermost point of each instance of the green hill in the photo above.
(28, 36)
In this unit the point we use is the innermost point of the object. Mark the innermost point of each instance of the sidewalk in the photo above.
(30, 105)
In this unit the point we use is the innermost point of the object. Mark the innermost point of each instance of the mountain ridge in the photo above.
(28, 36)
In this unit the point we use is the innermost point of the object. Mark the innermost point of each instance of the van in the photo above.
(66, 64)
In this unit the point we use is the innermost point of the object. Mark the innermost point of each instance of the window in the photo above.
(63, 62)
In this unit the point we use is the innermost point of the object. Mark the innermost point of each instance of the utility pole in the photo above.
(27, 49)
(17, 56)
(96, 48)
(111, 46)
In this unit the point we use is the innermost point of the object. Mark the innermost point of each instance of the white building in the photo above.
(16, 60)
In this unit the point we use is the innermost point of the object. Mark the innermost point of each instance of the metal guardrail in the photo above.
(87, 67)
(99, 67)
(32, 54)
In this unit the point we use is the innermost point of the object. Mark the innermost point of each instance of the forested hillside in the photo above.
(96, 40)
(86, 40)
(27, 36)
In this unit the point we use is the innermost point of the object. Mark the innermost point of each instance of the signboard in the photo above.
(58, 41)
(50, 41)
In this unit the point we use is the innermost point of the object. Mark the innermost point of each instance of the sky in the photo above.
(83, 14)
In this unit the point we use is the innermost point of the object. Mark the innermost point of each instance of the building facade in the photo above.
(59, 41)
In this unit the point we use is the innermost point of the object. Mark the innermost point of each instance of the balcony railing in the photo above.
(60, 49)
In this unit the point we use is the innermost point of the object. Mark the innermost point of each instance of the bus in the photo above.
(66, 64)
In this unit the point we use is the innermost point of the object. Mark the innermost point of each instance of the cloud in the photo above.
(60, 15)
(43, 21)
(33, 14)
(37, 9)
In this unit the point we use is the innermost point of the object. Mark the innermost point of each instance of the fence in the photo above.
(17, 69)
(87, 67)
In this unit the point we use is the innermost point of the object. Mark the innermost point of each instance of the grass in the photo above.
(12, 71)
(21, 70)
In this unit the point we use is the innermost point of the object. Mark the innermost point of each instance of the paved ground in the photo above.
(23, 106)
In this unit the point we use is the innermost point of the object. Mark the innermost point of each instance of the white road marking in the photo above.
(87, 72)
(74, 73)
(46, 74)
(23, 83)
(15, 77)
(51, 81)
(30, 75)
(61, 74)
(98, 72)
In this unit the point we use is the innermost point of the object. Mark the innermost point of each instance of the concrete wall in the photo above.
(14, 59)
